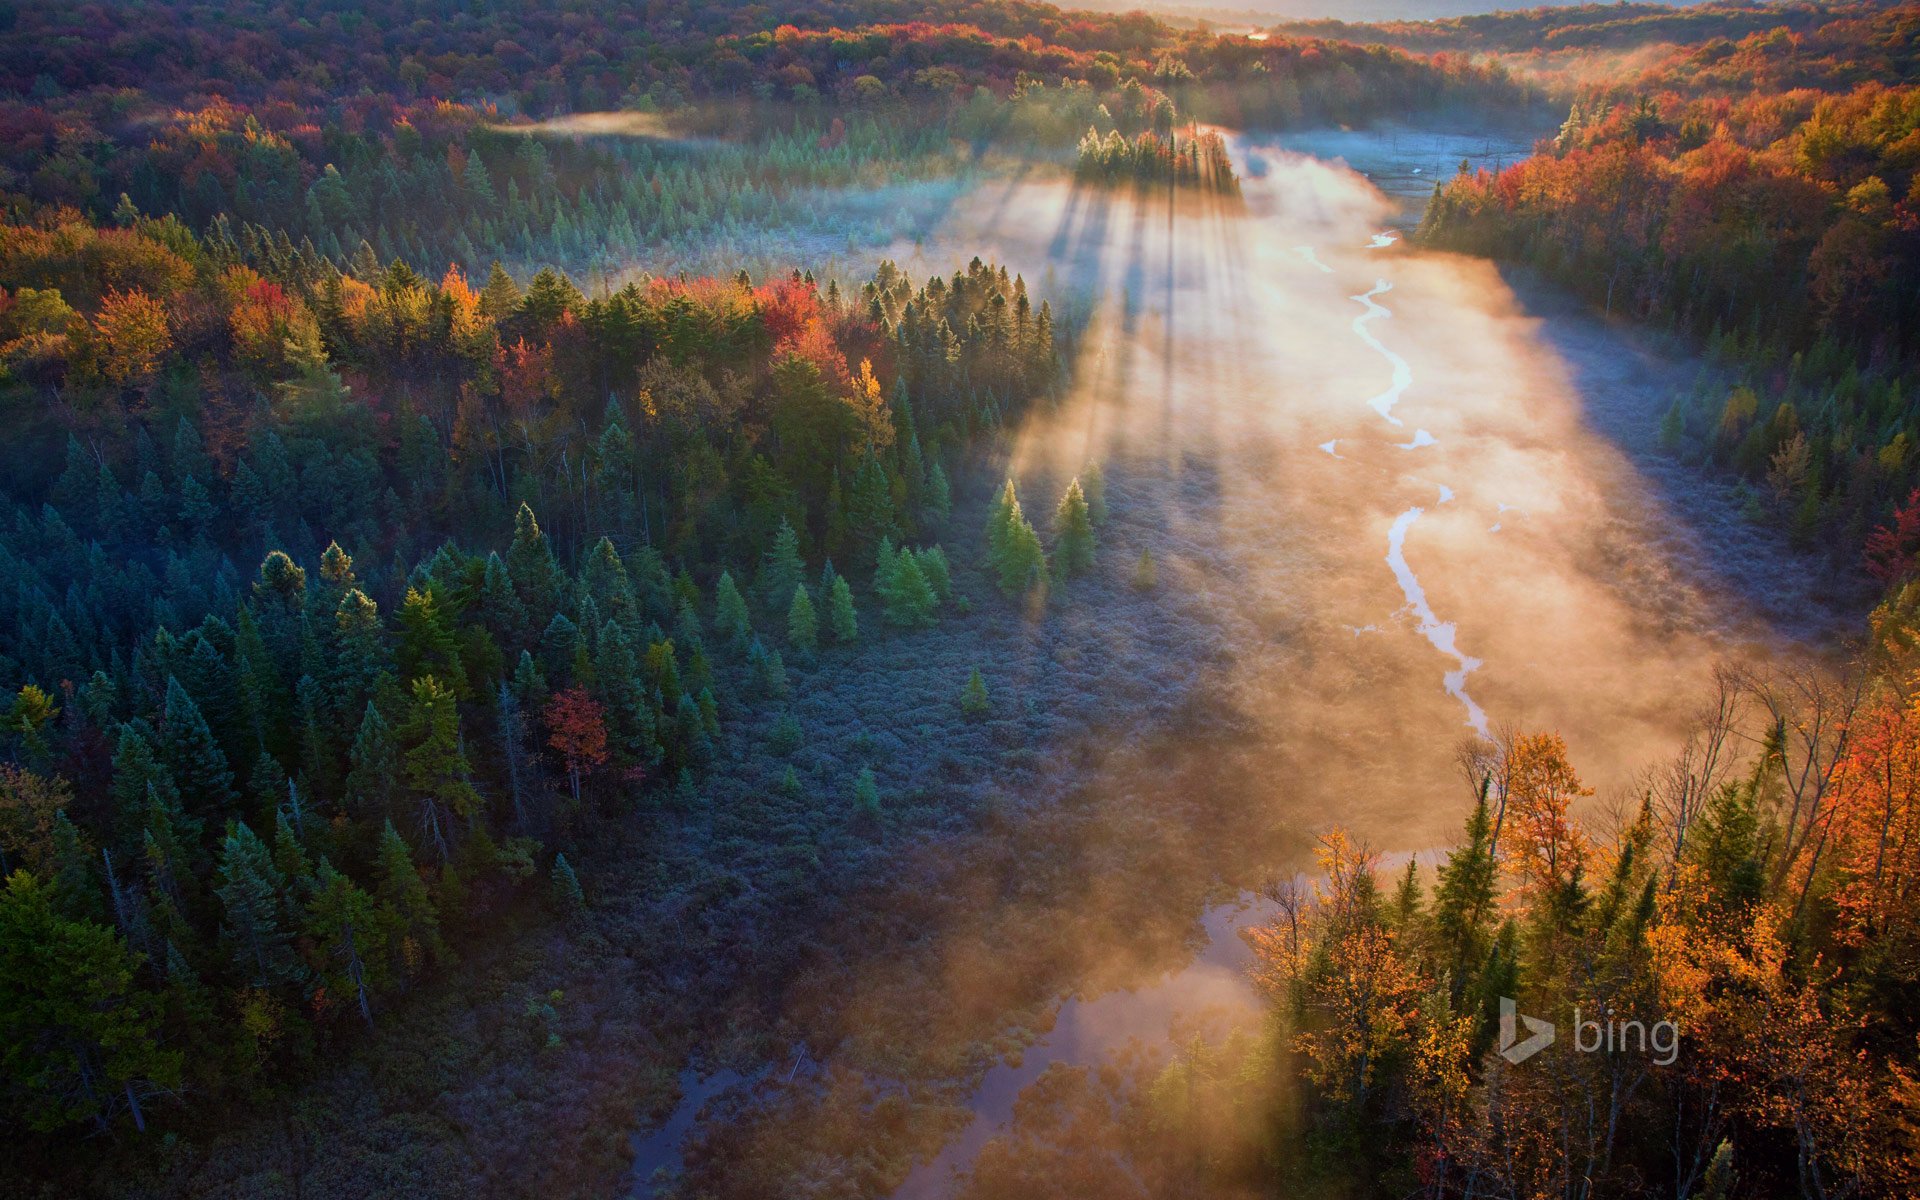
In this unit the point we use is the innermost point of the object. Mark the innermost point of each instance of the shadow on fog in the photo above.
(1360, 584)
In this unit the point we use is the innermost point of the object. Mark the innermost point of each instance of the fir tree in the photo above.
(907, 598)
(535, 571)
(373, 765)
(404, 894)
(254, 928)
(567, 893)
(973, 698)
(730, 619)
(866, 794)
(435, 764)
(840, 612)
(349, 936)
(780, 569)
(1093, 482)
(803, 626)
(194, 760)
(1073, 533)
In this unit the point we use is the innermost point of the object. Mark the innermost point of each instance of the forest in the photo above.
(516, 589)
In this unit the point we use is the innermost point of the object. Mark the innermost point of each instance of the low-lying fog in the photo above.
(1412, 512)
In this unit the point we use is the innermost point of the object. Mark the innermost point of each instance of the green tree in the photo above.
(349, 937)
(1093, 482)
(194, 760)
(730, 619)
(373, 765)
(535, 571)
(866, 793)
(1145, 576)
(840, 612)
(973, 698)
(907, 598)
(78, 1041)
(1073, 533)
(404, 895)
(254, 928)
(436, 764)
(803, 626)
(566, 886)
(780, 568)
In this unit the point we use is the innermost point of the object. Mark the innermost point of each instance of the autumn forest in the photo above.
(823, 599)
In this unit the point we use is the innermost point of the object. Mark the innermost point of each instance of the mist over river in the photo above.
(1412, 506)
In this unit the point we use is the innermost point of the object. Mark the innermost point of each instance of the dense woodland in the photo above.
(1760, 199)
(380, 559)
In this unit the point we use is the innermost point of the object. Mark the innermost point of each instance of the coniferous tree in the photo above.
(803, 626)
(79, 1042)
(841, 616)
(908, 599)
(404, 894)
(254, 928)
(436, 766)
(1145, 576)
(1073, 533)
(349, 937)
(373, 766)
(535, 571)
(1093, 483)
(194, 760)
(730, 619)
(780, 569)
(866, 793)
(973, 698)
(567, 892)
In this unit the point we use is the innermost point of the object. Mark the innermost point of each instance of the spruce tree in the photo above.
(803, 626)
(435, 763)
(1145, 576)
(1073, 533)
(973, 698)
(780, 568)
(535, 571)
(908, 599)
(567, 893)
(193, 759)
(840, 612)
(373, 766)
(254, 928)
(730, 619)
(1093, 482)
(349, 936)
(866, 793)
(404, 894)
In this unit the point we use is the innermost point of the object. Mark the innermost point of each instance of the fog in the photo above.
(1404, 506)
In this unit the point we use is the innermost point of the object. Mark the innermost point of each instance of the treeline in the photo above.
(1730, 965)
(1201, 161)
(256, 785)
(1780, 230)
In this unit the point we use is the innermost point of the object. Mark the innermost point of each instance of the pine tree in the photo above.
(427, 645)
(933, 564)
(373, 766)
(404, 895)
(1073, 533)
(1145, 576)
(360, 656)
(78, 1041)
(567, 893)
(349, 936)
(840, 612)
(803, 626)
(780, 569)
(973, 699)
(730, 619)
(866, 793)
(436, 765)
(194, 760)
(501, 295)
(1093, 482)
(907, 598)
(535, 571)
(254, 928)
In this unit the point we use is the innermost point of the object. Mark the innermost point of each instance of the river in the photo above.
(1418, 505)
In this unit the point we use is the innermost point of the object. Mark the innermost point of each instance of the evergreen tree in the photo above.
(566, 886)
(436, 765)
(906, 596)
(79, 1042)
(866, 794)
(193, 759)
(1145, 576)
(254, 929)
(780, 569)
(535, 571)
(411, 910)
(803, 627)
(933, 564)
(840, 612)
(973, 699)
(349, 936)
(1093, 482)
(1073, 533)
(730, 620)
(373, 766)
